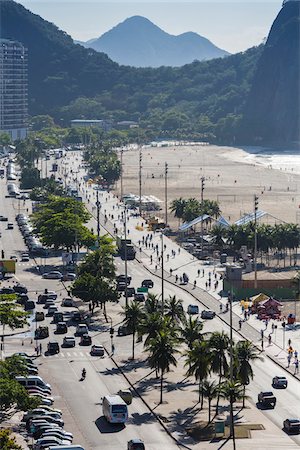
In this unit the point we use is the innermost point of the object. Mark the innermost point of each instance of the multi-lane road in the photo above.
(81, 401)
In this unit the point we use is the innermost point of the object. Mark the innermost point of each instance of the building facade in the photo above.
(13, 89)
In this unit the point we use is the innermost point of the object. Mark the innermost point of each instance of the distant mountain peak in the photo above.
(139, 42)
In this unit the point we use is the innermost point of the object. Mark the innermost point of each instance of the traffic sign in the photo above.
(142, 289)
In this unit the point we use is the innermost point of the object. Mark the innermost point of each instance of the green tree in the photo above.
(244, 354)
(191, 331)
(174, 309)
(177, 207)
(40, 122)
(198, 362)
(218, 232)
(232, 391)
(100, 263)
(59, 223)
(10, 314)
(210, 391)
(162, 350)
(219, 346)
(134, 315)
(192, 210)
(13, 366)
(13, 395)
(7, 441)
(5, 139)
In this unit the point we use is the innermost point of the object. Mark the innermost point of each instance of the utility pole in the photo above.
(202, 195)
(140, 181)
(121, 172)
(162, 274)
(255, 240)
(98, 205)
(125, 255)
(166, 194)
(232, 431)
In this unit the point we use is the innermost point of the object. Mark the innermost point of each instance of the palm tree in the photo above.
(218, 232)
(192, 209)
(162, 354)
(177, 207)
(152, 304)
(233, 391)
(198, 362)
(210, 391)
(134, 314)
(192, 331)
(219, 345)
(174, 309)
(151, 324)
(245, 353)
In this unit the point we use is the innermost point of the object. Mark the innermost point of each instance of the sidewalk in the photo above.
(185, 262)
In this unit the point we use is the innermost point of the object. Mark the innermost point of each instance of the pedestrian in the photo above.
(112, 349)
(41, 348)
(295, 354)
(296, 366)
(206, 285)
(151, 259)
(176, 278)
(240, 324)
(171, 272)
(270, 339)
(195, 283)
(289, 359)
(198, 273)
(203, 272)
(221, 307)
(168, 257)
(155, 267)
(289, 342)
(178, 250)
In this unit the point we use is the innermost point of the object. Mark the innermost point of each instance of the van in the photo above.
(31, 381)
(114, 409)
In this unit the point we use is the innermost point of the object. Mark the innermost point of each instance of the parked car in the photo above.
(147, 283)
(20, 288)
(29, 305)
(45, 443)
(135, 444)
(292, 426)
(43, 398)
(207, 314)
(279, 382)
(67, 301)
(51, 310)
(53, 347)
(97, 350)
(69, 276)
(41, 333)
(139, 297)
(58, 434)
(53, 275)
(69, 341)
(193, 309)
(85, 340)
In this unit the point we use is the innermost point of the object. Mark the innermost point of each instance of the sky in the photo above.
(232, 25)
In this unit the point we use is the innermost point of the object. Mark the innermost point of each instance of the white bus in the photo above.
(114, 409)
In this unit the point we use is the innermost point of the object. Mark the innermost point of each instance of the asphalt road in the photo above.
(82, 400)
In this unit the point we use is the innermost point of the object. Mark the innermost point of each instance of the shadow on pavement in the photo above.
(105, 427)
(141, 419)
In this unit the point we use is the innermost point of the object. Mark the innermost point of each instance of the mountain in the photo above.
(272, 113)
(138, 42)
(58, 71)
(69, 81)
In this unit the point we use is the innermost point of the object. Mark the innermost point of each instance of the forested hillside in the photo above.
(69, 81)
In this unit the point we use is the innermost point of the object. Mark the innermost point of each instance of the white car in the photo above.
(59, 434)
(82, 329)
(47, 442)
(97, 350)
(53, 275)
(45, 401)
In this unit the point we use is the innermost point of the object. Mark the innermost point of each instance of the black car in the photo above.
(85, 340)
(124, 331)
(130, 292)
(123, 279)
(20, 289)
(61, 328)
(148, 283)
(138, 297)
(53, 347)
(121, 286)
(29, 305)
(292, 426)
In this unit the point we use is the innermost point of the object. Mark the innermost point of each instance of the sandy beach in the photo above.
(232, 177)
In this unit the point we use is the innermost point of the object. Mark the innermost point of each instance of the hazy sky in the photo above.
(234, 26)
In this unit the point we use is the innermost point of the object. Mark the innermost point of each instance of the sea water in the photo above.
(287, 160)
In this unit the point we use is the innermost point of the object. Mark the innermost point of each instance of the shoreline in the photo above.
(232, 177)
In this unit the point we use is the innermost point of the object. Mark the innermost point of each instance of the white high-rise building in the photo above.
(13, 89)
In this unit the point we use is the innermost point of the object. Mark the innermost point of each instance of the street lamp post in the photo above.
(140, 181)
(232, 431)
(255, 240)
(98, 205)
(202, 195)
(162, 274)
(122, 150)
(166, 194)
(125, 256)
